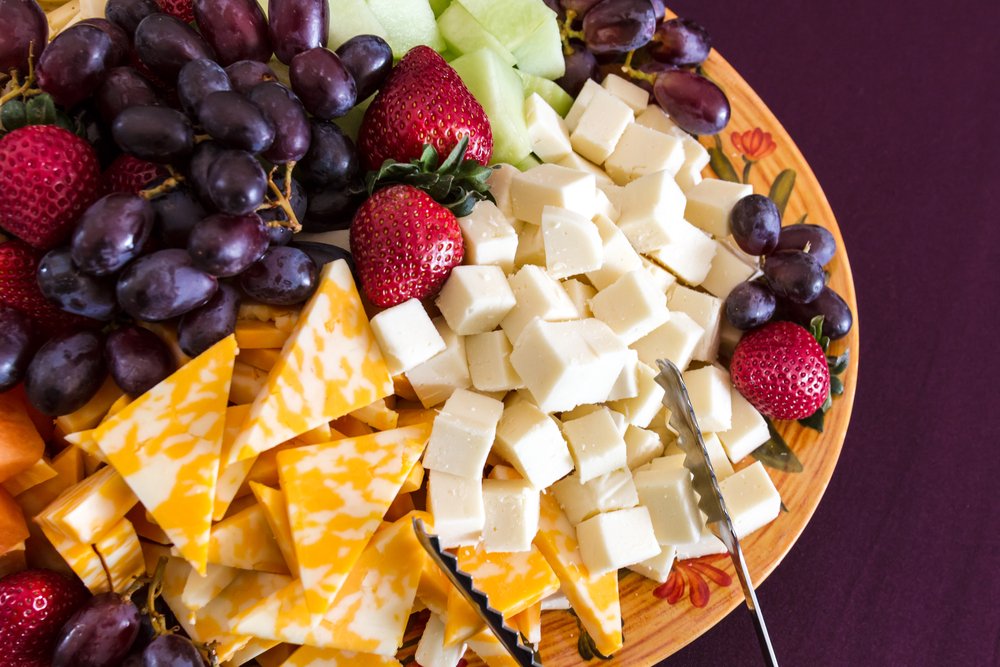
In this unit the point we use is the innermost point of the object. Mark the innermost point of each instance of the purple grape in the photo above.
(750, 305)
(324, 253)
(284, 276)
(74, 64)
(123, 87)
(332, 207)
(16, 346)
(65, 373)
(157, 134)
(794, 275)
(236, 182)
(821, 243)
(165, 44)
(120, 43)
(297, 26)
(755, 224)
(278, 235)
(65, 285)
(300, 205)
(138, 360)
(176, 213)
(100, 633)
(581, 7)
(659, 9)
(654, 67)
(368, 58)
(128, 14)
(580, 66)
(171, 651)
(236, 29)
(164, 285)
(204, 327)
(696, 104)
(225, 245)
(236, 122)
(837, 316)
(197, 80)
(291, 125)
(556, 6)
(246, 74)
(681, 43)
(24, 29)
(324, 85)
(111, 233)
(204, 155)
(617, 26)
(332, 160)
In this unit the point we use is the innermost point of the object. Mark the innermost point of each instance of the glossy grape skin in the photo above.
(324, 85)
(794, 275)
(693, 102)
(138, 360)
(369, 60)
(65, 285)
(332, 160)
(128, 14)
(681, 43)
(236, 29)
(617, 26)
(205, 326)
(24, 29)
(750, 305)
(297, 26)
(581, 7)
(171, 651)
(65, 373)
(176, 213)
(236, 182)
(74, 64)
(246, 74)
(120, 43)
(332, 208)
(123, 87)
(284, 276)
(580, 66)
(197, 80)
(99, 633)
(821, 243)
(165, 44)
(756, 224)
(324, 253)
(225, 245)
(164, 285)
(16, 346)
(154, 133)
(288, 117)
(236, 122)
(204, 155)
(837, 316)
(278, 235)
(111, 233)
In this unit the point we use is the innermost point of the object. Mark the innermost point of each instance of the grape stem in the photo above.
(24, 89)
(282, 199)
(156, 619)
(567, 33)
(169, 184)
(634, 73)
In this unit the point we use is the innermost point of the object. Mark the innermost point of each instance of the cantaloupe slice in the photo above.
(20, 444)
(13, 528)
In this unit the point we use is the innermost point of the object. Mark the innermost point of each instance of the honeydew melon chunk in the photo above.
(350, 123)
(348, 18)
(549, 91)
(463, 34)
(408, 23)
(512, 22)
(541, 53)
(527, 163)
(438, 6)
(498, 88)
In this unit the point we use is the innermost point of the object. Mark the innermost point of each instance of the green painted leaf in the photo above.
(781, 189)
(720, 164)
(775, 453)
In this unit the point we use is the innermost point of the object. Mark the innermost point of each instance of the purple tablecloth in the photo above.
(896, 105)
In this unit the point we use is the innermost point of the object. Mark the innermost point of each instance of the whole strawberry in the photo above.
(423, 102)
(34, 605)
(130, 175)
(781, 370)
(48, 176)
(405, 245)
(180, 9)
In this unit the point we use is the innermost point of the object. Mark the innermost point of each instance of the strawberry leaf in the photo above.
(775, 453)
(815, 421)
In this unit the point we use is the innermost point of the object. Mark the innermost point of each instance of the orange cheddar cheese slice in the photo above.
(593, 598)
(310, 656)
(89, 508)
(433, 589)
(462, 621)
(244, 541)
(248, 382)
(414, 480)
(40, 471)
(253, 649)
(262, 358)
(512, 581)
(254, 335)
(118, 406)
(490, 650)
(93, 411)
(329, 366)
(377, 415)
(231, 477)
(68, 465)
(81, 558)
(215, 620)
(529, 623)
(200, 590)
(167, 444)
(85, 442)
(121, 553)
(272, 501)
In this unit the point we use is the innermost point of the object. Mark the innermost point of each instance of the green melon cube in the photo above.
(439, 6)
(463, 34)
(510, 21)
(350, 122)
(549, 91)
(408, 23)
(541, 53)
(348, 18)
(527, 163)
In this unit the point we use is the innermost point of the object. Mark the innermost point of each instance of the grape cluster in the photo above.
(793, 286)
(244, 162)
(630, 37)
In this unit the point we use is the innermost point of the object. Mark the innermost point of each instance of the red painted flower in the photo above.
(754, 144)
(691, 577)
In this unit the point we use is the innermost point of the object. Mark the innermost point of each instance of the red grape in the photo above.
(580, 66)
(157, 134)
(128, 14)
(323, 84)
(171, 651)
(123, 87)
(236, 29)
(332, 160)
(246, 74)
(696, 104)
(369, 60)
(24, 28)
(226, 245)
(74, 291)
(205, 326)
(111, 233)
(297, 26)
(138, 360)
(74, 64)
(65, 373)
(755, 223)
(284, 276)
(750, 305)
(236, 183)
(197, 80)
(680, 42)
(837, 316)
(16, 346)
(164, 285)
(821, 243)
(794, 275)
(236, 122)
(286, 114)
(177, 212)
(617, 26)
(119, 40)
(99, 633)
(165, 44)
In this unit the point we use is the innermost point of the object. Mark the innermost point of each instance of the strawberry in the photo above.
(179, 9)
(48, 177)
(130, 174)
(405, 245)
(782, 370)
(423, 102)
(34, 605)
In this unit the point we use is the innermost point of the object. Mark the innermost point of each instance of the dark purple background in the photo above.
(896, 105)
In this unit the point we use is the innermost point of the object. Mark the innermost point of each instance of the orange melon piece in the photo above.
(20, 444)
(13, 527)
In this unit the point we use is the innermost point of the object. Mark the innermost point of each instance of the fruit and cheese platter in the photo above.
(280, 278)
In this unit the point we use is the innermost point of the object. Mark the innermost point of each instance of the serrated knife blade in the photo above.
(524, 656)
(706, 485)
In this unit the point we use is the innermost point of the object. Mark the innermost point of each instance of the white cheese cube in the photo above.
(606, 493)
(664, 280)
(729, 336)
(580, 294)
(431, 650)
(705, 545)
(435, 380)
(551, 185)
(642, 408)
(531, 441)
(489, 236)
(629, 93)
(704, 309)
(652, 206)
(574, 161)
(642, 151)
(710, 203)
(672, 503)
(641, 446)
(579, 411)
(727, 272)
(604, 207)
(530, 245)
(711, 398)
(620, 423)
(751, 498)
(614, 540)
(601, 126)
(488, 355)
(580, 104)
(406, 335)
(675, 340)
(456, 503)
(658, 567)
(696, 158)
(627, 384)
(537, 295)
(499, 182)
(463, 434)
(619, 255)
(717, 456)
(665, 462)
(688, 254)
(512, 508)
(656, 118)
(546, 130)
(556, 602)
(614, 193)
(596, 443)
(572, 243)
(566, 364)
(631, 306)
(748, 431)
(475, 299)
